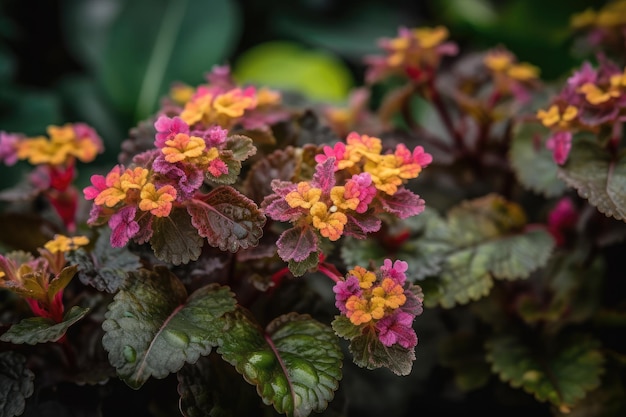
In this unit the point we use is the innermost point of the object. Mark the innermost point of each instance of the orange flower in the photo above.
(330, 223)
(183, 147)
(304, 196)
(158, 202)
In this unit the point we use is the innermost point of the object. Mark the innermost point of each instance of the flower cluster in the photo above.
(222, 103)
(41, 280)
(55, 157)
(605, 26)
(510, 76)
(592, 99)
(128, 197)
(415, 53)
(352, 182)
(380, 301)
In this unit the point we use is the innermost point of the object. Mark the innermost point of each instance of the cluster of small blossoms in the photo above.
(348, 181)
(32, 277)
(222, 103)
(380, 301)
(510, 77)
(606, 26)
(128, 198)
(415, 53)
(363, 154)
(591, 99)
(55, 157)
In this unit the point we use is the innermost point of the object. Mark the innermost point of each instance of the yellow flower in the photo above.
(197, 109)
(595, 95)
(337, 195)
(366, 278)
(304, 196)
(62, 243)
(523, 72)
(181, 93)
(498, 61)
(553, 116)
(134, 179)
(233, 103)
(267, 97)
(158, 202)
(183, 147)
(361, 311)
(364, 146)
(391, 293)
(330, 223)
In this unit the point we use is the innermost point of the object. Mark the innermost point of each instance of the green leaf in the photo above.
(598, 177)
(486, 242)
(175, 239)
(105, 268)
(295, 362)
(368, 352)
(561, 376)
(300, 268)
(61, 281)
(149, 45)
(228, 219)
(238, 149)
(35, 330)
(16, 383)
(343, 327)
(317, 74)
(152, 328)
(532, 161)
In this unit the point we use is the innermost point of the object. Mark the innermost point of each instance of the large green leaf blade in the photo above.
(149, 45)
(598, 177)
(16, 383)
(35, 330)
(562, 376)
(295, 362)
(152, 328)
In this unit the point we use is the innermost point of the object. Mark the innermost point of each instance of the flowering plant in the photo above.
(464, 192)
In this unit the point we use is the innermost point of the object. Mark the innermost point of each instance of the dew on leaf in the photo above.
(177, 338)
(130, 354)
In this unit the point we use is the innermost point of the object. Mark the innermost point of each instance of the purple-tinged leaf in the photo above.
(277, 208)
(279, 165)
(241, 147)
(295, 362)
(324, 176)
(403, 203)
(152, 328)
(16, 383)
(227, 219)
(360, 225)
(175, 239)
(369, 352)
(35, 330)
(297, 243)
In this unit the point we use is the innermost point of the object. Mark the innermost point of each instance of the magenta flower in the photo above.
(167, 128)
(8, 148)
(560, 144)
(123, 226)
(397, 328)
(344, 290)
(395, 271)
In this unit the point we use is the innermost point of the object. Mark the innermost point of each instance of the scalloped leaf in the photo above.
(152, 328)
(562, 376)
(404, 203)
(105, 267)
(324, 177)
(598, 177)
(35, 330)
(360, 225)
(175, 239)
(227, 219)
(368, 352)
(532, 162)
(279, 165)
(241, 147)
(196, 384)
(16, 383)
(297, 244)
(295, 362)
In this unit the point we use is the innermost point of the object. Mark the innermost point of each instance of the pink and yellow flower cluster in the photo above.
(380, 301)
(222, 103)
(415, 52)
(510, 77)
(593, 98)
(364, 154)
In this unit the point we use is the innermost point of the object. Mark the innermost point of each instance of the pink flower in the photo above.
(167, 128)
(8, 148)
(397, 328)
(360, 186)
(344, 290)
(98, 185)
(560, 144)
(395, 271)
(562, 217)
(123, 226)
